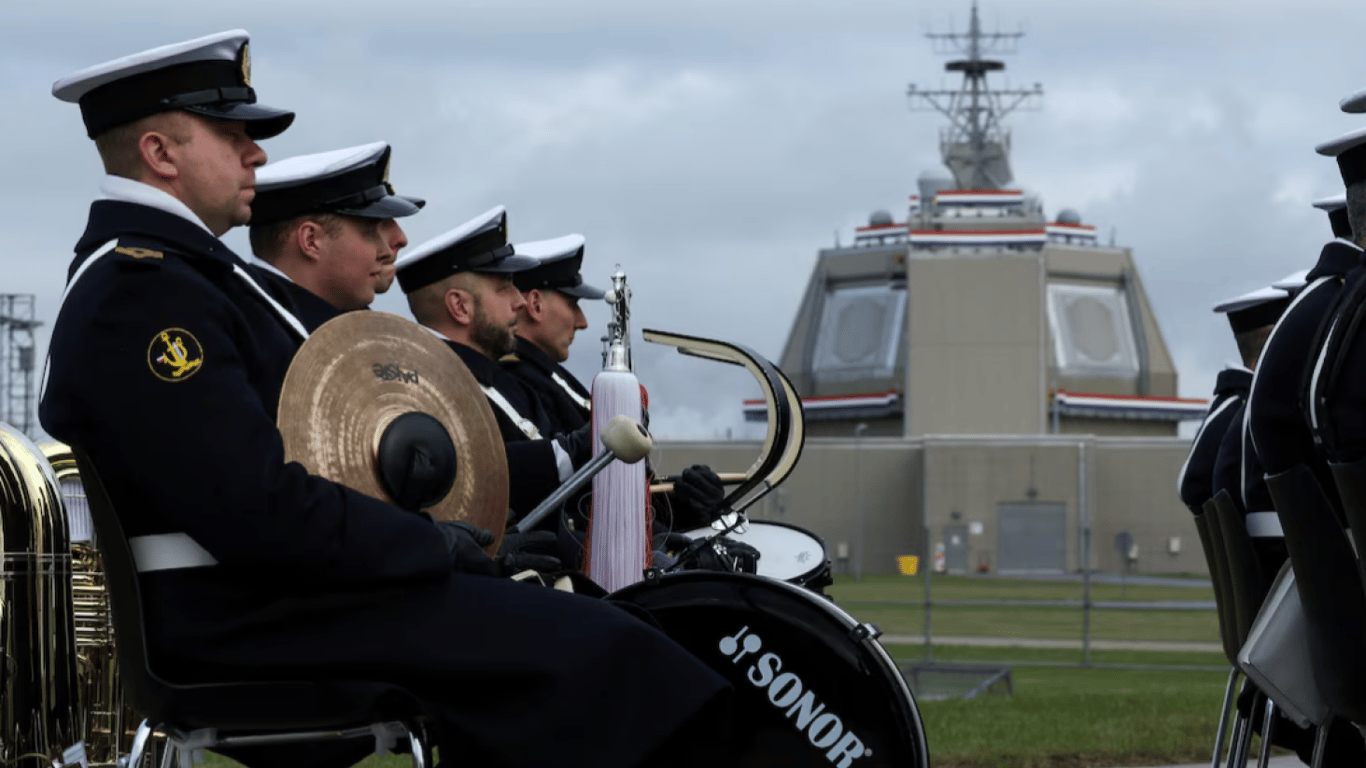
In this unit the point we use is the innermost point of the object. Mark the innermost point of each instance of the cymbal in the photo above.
(362, 370)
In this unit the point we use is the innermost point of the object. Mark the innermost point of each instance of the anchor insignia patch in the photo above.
(174, 355)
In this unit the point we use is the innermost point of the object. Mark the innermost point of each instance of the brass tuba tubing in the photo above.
(108, 727)
(39, 706)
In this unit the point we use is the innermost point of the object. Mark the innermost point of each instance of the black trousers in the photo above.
(511, 674)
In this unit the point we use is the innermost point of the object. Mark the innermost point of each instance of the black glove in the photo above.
(578, 444)
(533, 550)
(466, 544)
(736, 556)
(698, 493)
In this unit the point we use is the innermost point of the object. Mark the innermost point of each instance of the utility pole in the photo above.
(18, 408)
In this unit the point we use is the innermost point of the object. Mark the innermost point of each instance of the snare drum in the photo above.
(786, 552)
(813, 686)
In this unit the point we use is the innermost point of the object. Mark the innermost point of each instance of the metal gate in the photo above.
(1031, 537)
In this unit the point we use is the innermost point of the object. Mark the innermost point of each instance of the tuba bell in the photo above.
(107, 726)
(39, 704)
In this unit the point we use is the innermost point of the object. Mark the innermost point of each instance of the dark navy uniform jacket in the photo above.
(1337, 394)
(1277, 420)
(1196, 482)
(158, 431)
(304, 304)
(532, 469)
(567, 402)
(166, 365)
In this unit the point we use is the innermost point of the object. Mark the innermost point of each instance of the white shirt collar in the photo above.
(437, 333)
(129, 191)
(267, 266)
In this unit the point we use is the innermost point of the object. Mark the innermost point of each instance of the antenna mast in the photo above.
(975, 146)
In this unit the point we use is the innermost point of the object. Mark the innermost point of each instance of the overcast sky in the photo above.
(712, 147)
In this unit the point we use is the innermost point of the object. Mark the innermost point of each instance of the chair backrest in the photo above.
(1207, 526)
(1247, 581)
(1332, 595)
(143, 690)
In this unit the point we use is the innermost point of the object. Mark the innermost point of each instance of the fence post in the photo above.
(929, 571)
(1084, 520)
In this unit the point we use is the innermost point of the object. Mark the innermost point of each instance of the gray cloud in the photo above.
(712, 147)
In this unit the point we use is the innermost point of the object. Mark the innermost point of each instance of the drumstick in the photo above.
(623, 439)
(728, 478)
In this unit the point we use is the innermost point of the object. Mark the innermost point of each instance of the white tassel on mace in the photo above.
(618, 533)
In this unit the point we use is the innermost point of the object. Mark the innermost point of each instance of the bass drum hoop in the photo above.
(861, 634)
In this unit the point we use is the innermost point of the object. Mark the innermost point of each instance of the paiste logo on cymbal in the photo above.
(392, 372)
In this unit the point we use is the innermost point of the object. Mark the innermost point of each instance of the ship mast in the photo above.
(975, 146)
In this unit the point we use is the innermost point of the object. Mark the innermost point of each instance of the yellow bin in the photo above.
(908, 564)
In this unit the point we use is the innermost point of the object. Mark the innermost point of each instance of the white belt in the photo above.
(168, 551)
(575, 396)
(529, 429)
(1264, 525)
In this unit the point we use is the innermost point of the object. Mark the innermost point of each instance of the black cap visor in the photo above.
(580, 291)
(387, 207)
(261, 122)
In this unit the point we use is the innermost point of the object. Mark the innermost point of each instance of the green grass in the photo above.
(891, 587)
(908, 617)
(1079, 717)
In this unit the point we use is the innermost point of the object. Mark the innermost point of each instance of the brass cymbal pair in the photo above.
(349, 383)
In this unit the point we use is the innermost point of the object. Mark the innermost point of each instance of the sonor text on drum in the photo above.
(786, 691)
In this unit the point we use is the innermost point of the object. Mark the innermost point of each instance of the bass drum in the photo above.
(786, 552)
(813, 686)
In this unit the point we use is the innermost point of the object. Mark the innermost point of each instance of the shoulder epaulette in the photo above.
(139, 253)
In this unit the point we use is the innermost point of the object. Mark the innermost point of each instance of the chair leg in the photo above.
(1236, 741)
(172, 749)
(1268, 726)
(1222, 733)
(1320, 742)
(140, 741)
(417, 743)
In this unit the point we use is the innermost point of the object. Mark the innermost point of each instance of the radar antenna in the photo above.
(975, 146)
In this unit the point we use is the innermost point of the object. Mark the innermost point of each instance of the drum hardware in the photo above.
(786, 425)
(622, 439)
(787, 552)
(377, 403)
(617, 544)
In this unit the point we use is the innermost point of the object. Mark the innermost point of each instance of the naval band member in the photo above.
(248, 566)
(1251, 317)
(459, 285)
(546, 325)
(1276, 420)
(325, 228)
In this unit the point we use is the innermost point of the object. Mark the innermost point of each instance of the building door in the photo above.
(956, 548)
(1031, 537)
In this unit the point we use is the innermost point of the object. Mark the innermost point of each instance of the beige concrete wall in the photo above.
(877, 496)
(1071, 425)
(975, 342)
(862, 495)
(1134, 491)
(966, 478)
